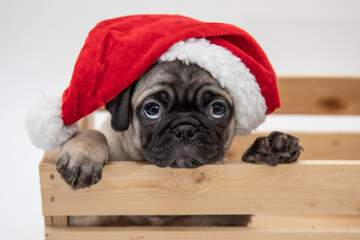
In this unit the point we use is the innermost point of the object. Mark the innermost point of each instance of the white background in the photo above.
(40, 40)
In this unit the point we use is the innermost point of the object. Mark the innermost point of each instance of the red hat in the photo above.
(117, 51)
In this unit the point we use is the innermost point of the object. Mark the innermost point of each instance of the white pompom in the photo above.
(45, 126)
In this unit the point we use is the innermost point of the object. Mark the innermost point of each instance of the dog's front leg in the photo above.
(276, 148)
(82, 158)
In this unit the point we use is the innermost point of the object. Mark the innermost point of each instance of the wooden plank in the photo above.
(87, 122)
(48, 221)
(319, 95)
(199, 233)
(130, 188)
(261, 221)
(49, 157)
(56, 221)
(330, 146)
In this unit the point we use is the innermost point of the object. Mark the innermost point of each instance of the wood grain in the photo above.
(87, 122)
(319, 95)
(130, 188)
(317, 146)
(201, 233)
(276, 221)
(56, 221)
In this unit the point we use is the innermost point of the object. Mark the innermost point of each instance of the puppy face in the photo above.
(177, 116)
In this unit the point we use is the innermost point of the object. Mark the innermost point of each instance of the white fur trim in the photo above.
(45, 126)
(232, 74)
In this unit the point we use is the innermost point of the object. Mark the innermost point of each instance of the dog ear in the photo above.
(120, 109)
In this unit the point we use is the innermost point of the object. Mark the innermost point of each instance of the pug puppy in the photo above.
(175, 115)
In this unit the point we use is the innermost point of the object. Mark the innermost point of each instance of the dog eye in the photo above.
(153, 110)
(217, 110)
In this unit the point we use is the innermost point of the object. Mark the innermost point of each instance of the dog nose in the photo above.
(185, 133)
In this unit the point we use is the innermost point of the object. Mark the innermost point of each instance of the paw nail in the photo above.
(73, 182)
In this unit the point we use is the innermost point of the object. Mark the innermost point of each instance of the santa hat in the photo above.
(117, 51)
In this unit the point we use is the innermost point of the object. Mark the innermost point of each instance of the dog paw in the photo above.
(276, 148)
(79, 171)
(82, 159)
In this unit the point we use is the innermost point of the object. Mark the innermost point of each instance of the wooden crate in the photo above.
(316, 198)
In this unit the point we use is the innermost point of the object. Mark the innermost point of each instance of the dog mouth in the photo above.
(174, 155)
(187, 157)
(186, 162)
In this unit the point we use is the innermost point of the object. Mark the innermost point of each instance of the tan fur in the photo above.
(82, 158)
(89, 143)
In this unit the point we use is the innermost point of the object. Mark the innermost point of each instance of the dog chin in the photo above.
(186, 163)
(183, 160)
